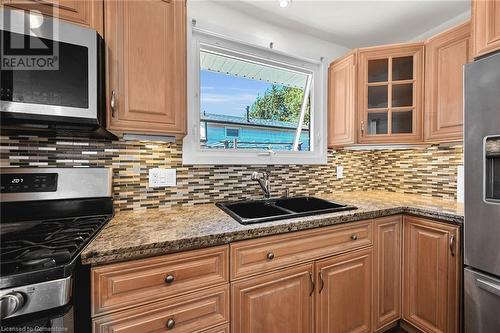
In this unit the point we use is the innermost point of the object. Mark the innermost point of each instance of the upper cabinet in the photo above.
(88, 13)
(342, 101)
(390, 93)
(146, 64)
(445, 56)
(485, 26)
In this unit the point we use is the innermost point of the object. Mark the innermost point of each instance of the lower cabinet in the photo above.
(274, 303)
(353, 278)
(344, 294)
(191, 313)
(431, 275)
(387, 271)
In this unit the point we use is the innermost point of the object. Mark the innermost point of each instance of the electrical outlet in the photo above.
(340, 172)
(159, 177)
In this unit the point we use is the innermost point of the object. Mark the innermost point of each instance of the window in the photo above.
(232, 132)
(249, 105)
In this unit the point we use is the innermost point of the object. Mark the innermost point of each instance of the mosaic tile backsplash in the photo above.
(429, 171)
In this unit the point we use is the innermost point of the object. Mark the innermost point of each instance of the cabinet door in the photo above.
(146, 61)
(485, 26)
(341, 101)
(431, 275)
(274, 303)
(85, 12)
(390, 93)
(445, 56)
(344, 293)
(387, 271)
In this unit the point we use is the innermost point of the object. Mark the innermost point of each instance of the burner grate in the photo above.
(47, 243)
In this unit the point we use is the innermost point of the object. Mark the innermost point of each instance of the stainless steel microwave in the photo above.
(52, 76)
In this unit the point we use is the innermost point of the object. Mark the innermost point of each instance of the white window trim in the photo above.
(192, 154)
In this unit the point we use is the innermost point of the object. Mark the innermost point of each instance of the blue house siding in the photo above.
(254, 137)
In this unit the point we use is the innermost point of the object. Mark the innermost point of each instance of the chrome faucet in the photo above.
(264, 180)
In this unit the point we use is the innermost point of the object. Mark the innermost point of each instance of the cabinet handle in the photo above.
(312, 283)
(112, 103)
(170, 323)
(362, 128)
(270, 255)
(169, 279)
(321, 282)
(354, 237)
(452, 245)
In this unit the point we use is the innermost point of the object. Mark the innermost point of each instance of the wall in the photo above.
(221, 19)
(430, 171)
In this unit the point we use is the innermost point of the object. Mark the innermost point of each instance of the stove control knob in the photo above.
(10, 303)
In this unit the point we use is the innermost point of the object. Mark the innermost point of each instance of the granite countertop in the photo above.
(137, 234)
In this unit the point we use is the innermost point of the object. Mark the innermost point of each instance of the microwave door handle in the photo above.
(112, 103)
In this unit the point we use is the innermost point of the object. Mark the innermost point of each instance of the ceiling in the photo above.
(356, 23)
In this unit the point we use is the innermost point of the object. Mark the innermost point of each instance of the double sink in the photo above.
(256, 211)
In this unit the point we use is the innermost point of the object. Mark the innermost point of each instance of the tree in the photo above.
(280, 103)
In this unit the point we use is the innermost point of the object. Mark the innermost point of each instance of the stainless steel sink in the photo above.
(256, 211)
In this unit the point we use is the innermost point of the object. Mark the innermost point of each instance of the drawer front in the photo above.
(256, 256)
(123, 285)
(218, 329)
(195, 312)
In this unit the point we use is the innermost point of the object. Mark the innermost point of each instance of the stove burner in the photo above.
(46, 244)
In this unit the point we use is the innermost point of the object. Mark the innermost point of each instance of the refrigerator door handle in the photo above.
(488, 286)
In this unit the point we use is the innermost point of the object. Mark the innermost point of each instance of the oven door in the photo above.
(49, 68)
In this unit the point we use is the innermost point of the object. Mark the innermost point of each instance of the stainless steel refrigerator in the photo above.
(482, 196)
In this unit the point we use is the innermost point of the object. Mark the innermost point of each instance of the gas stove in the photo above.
(48, 216)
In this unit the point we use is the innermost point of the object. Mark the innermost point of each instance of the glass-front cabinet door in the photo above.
(390, 94)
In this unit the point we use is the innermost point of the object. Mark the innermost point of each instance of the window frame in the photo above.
(193, 154)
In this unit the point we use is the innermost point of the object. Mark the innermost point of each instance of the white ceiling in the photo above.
(357, 23)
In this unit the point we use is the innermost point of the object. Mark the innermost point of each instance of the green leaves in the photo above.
(280, 103)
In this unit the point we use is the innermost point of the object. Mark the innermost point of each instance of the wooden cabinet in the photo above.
(188, 291)
(390, 93)
(485, 26)
(431, 266)
(387, 271)
(445, 56)
(146, 62)
(192, 313)
(356, 277)
(257, 256)
(342, 101)
(274, 303)
(124, 285)
(88, 13)
(344, 295)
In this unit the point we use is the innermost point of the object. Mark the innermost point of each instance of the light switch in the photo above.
(159, 177)
(340, 172)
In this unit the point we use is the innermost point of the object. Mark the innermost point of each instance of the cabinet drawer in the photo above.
(195, 312)
(256, 256)
(132, 283)
(218, 329)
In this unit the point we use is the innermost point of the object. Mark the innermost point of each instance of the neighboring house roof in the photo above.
(235, 120)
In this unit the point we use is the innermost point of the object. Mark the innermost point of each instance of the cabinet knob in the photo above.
(170, 323)
(169, 279)
(354, 237)
(270, 255)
